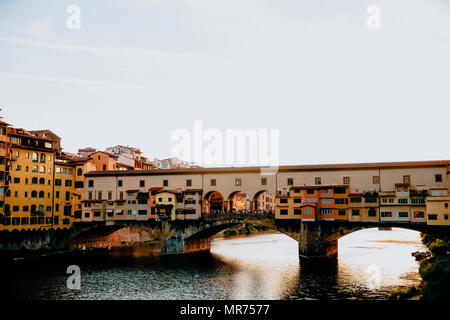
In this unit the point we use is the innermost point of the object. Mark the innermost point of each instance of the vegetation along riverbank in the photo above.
(434, 271)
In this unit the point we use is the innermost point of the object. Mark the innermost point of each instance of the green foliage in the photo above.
(409, 293)
(245, 231)
(435, 273)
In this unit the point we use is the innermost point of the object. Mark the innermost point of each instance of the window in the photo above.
(297, 211)
(419, 214)
(34, 194)
(341, 212)
(327, 200)
(90, 183)
(297, 200)
(42, 169)
(283, 212)
(104, 167)
(263, 181)
(340, 201)
(109, 195)
(284, 200)
(213, 182)
(375, 179)
(406, 179)
(119, 183)
(35, 157)
(386, 214)
(79, 172)
(355, 199)
(402, 200)
(346, 180)
(41, 194)
(68, 183)
(16, 180)
(99, 195)
(308, 211)
(326, 211)
(372, 212)
(318, 180)
(445, 216)
(165, 183)
(35, 168)
(79, 184)
(432, 217)
(290, 181)
(355, 212)
(188, 183)
(57, 182)
(403, 214)
(42, 158)
(438, 177)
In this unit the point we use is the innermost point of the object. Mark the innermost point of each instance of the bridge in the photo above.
(315, 239)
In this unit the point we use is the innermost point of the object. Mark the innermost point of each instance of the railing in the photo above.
(237, 215)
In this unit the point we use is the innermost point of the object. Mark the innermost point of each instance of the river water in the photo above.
(370, 265)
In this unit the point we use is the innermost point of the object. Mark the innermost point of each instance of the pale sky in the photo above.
(138, 70)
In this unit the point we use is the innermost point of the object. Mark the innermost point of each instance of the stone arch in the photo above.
(263, 204)
(213, 201)
(238, 201)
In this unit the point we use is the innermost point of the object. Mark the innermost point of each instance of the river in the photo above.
(370, 265)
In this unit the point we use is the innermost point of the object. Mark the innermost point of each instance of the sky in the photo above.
(136, 71)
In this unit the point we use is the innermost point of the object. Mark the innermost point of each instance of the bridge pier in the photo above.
(315, 241)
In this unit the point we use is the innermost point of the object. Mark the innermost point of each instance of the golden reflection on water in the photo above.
(370, 263)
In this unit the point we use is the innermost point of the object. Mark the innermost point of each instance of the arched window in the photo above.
(7, 209)
(42, 158)
(34, 180)
(35, 168)
(41, 194)
(41, 181)
(34, 194)
(35, 157)
(41, 209)
(79, 172)
(33, 209)
(42, 169)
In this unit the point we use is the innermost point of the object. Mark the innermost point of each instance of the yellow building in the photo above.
(437, 205)
(166, 203)
(3, 165)
(29, 198)
(69, 189)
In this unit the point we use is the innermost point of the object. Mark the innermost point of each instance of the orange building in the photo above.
(103, 161)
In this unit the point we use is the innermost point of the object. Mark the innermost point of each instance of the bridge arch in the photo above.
(238, 201)
(213, 201)
(263, 200)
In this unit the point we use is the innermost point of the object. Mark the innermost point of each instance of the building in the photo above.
(130, 158)
(173, 163)
(103, 161)
(4, 165)
(437, 206)
(48, 134)
(29, 198)
(86, 152)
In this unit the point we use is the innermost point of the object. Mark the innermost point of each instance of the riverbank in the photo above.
(434, 271)
(247, 230)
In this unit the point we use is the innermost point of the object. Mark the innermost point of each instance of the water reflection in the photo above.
(370, 264)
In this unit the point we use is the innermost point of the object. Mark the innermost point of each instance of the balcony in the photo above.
(418, 193)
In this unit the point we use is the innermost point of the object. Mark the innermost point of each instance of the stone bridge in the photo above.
(315, 239)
